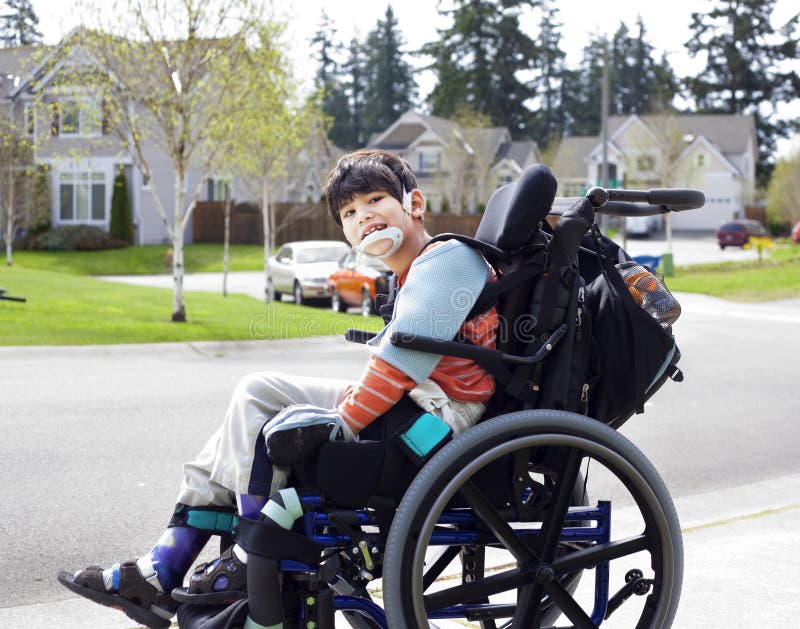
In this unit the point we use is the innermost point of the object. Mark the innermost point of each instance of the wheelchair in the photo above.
(495, 527)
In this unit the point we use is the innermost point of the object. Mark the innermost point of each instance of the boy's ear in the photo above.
(417, 203)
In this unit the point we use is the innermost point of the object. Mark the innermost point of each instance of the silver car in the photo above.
(302, 269)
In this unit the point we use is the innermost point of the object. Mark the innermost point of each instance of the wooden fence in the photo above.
(297, 221)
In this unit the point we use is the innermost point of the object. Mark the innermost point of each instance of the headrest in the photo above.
(514, 211)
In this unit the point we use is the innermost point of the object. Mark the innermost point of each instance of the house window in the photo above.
(645, 163)
(77, 117)
(505, 180)
(83, 197)
(701, 160)
(428, 162)
(218, 189)
(30, 119)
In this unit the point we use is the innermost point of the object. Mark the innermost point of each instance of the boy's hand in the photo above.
(296, 433)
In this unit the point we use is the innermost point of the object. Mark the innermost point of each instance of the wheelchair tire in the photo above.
(534, 583)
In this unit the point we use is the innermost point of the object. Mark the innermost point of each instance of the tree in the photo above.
(16, 158)
(478, 59)
(19, 27)
(783, 194)
(332, 83)
(638, 84)
(272, 126)
(548, 121)
(121, 223)
(581, 92)
(750, 68)
(166, 69)
(390, 83)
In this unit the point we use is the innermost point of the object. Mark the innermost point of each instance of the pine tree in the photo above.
(549, 119)
(581, 92)
(748, 68)
(391, 86)
(19, 27)
(330, 81)
(121, 223)
(356, 89)
(477, 61)
(638, 84)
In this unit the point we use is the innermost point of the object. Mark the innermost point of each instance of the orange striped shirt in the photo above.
(382, 385)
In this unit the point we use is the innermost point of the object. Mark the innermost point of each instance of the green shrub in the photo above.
(445, 209)
(39, 221)
(121, 225)
(75, 238)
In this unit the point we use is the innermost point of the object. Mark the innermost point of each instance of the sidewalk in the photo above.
(742, 568)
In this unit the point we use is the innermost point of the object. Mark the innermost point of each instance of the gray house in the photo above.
(73, 138)
(456, 166)
(714, 153)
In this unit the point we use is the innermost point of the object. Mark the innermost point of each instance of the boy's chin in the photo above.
(379, 248)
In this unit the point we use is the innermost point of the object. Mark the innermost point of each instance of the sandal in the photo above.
(137, 598)
(219, 582)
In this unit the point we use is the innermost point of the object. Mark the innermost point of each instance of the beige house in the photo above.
(713, 153)
(457, 168)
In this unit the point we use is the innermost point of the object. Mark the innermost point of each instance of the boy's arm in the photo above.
(380, 388)
(442, 286)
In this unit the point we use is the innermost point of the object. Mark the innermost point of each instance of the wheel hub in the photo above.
(544, 574)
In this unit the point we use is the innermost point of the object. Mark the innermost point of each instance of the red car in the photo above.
(356, 282)
(796, 234)
(737, 233)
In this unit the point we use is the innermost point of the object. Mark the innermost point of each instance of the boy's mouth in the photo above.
(373, 228)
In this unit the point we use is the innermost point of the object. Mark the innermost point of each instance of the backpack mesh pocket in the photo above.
(650, 293)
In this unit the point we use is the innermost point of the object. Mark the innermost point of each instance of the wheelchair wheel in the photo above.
(529, 585)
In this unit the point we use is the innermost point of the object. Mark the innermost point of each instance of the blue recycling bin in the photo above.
(651, 262)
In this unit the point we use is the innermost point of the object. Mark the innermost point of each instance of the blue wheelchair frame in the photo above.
(316, 520)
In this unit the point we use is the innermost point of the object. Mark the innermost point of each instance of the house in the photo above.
(713, 153)
(457, 167)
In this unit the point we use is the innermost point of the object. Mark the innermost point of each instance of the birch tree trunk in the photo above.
(226, 248)
(9, 231)
(265, 218)
(178, 305)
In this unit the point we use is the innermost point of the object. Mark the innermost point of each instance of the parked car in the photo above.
(302, 269)
(642, 225)
(356, 282)
(796, 234)
(737, 233)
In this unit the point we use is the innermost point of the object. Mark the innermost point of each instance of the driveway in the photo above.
(688, 247)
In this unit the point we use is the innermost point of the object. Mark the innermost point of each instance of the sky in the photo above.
(666, 25)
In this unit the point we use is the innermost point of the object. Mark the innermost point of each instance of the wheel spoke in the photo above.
(468, 592)
(484, 510)
(569, 606)
(432, 573)
(529, 599)
(546, 544)
(588, 557)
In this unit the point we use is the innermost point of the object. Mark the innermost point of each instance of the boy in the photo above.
(373, 196)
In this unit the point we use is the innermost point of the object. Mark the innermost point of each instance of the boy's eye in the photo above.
(346, 213)
(376, 198)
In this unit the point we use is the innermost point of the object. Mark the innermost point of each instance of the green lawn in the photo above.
(65, 309)
(145, 260)
(777, 276)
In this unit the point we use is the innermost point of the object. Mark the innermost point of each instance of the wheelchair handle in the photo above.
(620, 202)
(484, 356)
(355, 335)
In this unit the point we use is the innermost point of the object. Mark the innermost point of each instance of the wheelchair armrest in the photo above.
(484, 356)
(359, 336)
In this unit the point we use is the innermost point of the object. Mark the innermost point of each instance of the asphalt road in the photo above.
(94, 438)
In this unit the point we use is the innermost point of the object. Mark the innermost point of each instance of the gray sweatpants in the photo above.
(222, 468)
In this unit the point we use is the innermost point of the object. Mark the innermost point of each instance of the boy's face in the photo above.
(369, 212)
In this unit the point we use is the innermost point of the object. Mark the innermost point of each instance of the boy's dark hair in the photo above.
(367, 170)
